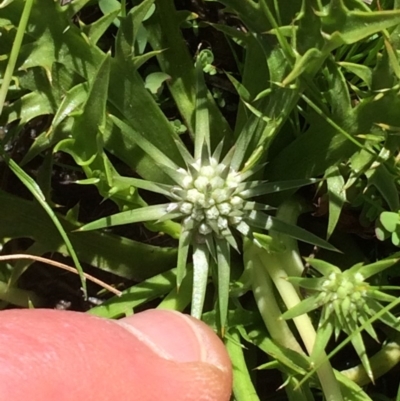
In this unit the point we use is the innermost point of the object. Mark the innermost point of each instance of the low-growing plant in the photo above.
(221, 152)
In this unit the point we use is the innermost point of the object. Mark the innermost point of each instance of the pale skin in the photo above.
(48, 355)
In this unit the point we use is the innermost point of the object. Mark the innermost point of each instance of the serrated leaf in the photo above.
(352, 26)
(138, 61)
(91, 120)
(95, 30)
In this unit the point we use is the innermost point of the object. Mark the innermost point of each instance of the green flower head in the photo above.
(347, 301)
(211, 197)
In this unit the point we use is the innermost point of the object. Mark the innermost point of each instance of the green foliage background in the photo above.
(313, 93)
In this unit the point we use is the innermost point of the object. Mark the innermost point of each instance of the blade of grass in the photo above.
(14, 52)
(35, 190)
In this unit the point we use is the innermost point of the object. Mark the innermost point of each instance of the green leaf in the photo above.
(138, 61)
(305, 63)
(359, 346)
(37, 193)
(323, 267)
(109, 6)
(389, 221)
(200, 278)
(257, 188)
(72, 100)
(261, 220)
(135, 296)
(134, 260)
(337, 197)
(154, 82)
(27, 107)
(361, 71)
(202, 126)
(156, 154)
(224, 269)
(350, 390)
(377, 267)
(96, 30)
(324, 333)
(90, 122)
(164, 33)
(147, 213)
(183, 249)
(348, 27)
(305, 306)
(385, 183)
(243, 388)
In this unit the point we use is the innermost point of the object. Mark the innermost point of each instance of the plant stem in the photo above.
(267, 305)
(277, 265)
(14, 52)
(381, 363)
(243, 387)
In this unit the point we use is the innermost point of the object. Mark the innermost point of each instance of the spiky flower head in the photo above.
(211, 199)
(347, 301)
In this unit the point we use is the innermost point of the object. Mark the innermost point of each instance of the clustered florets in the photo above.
(344, 288)
(209, 197)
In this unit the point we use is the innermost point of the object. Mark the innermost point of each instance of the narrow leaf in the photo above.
(183, 249)
(271, 187)
(260, 220)
(200, 278)
(337, 197)
(223, 252)
(202, 127)
(149, 213)
(155, 153)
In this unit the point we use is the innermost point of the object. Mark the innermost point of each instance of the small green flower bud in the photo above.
(212, 213)
(204, 229)
(207, 171)
(186, 207)
(201, 183)
(224, 208)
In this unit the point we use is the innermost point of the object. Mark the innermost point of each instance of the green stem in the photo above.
(290, 297)
(14, 52)
(277, 265)
(243, 387)
(267, 305)
(381, 363)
